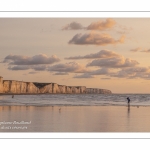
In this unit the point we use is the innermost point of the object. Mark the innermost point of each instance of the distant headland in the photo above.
(20, 87)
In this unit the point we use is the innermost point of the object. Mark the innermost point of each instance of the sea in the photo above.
(75, 113)
(76, 99)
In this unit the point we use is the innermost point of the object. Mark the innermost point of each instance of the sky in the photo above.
(107, 53)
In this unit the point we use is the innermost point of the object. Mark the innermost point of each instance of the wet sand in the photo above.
(74, 119)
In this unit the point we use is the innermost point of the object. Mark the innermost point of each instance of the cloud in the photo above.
(134, 72)
(61, 73)
(27, 67)
(102, 25)
(38, 62)
(100, 54)
(99, 25)
(146, 51)
(26, 60)
(19, 67)
(32, 72)
(102, 71)
(95, 39)
(73, 26)
(72, 67)
(135, 49)
(109, 62)
(115, 62)
(124, 29)
(105, 78)
(128, 73)
(138, 49)
(39, 67)
(85, 75)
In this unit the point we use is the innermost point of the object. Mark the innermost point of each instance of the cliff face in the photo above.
(46, 89)
(1, 85)
(55, 88)
(18, 87)
(97, 91)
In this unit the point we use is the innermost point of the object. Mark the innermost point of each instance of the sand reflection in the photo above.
(76, 118)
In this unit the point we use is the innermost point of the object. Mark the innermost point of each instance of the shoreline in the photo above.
(67, 105)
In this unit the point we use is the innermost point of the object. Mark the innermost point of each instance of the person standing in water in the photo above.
(128, 100)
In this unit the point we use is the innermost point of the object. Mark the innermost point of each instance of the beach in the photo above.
(74, 119)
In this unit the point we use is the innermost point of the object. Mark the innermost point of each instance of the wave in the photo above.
(76, 99)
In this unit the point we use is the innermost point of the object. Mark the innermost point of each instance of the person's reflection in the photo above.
(128, 109)
(128, 117)
(9, 108)
(59, 110)
(26, 107)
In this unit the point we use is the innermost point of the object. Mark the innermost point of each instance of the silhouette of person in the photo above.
(12, 96)
(128, 100)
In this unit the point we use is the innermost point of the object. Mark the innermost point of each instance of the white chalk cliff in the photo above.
(20, 87)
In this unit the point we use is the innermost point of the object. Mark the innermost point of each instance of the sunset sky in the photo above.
(107, 53)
